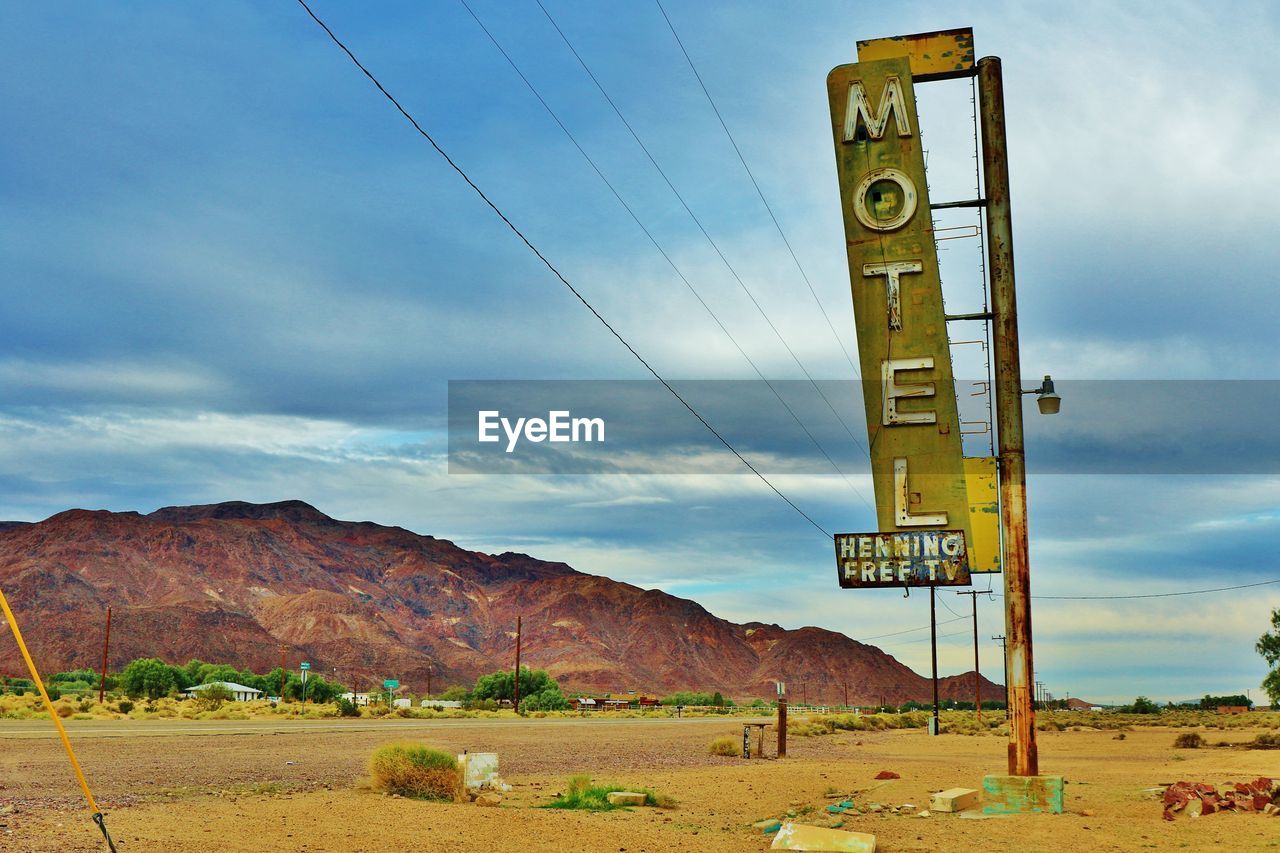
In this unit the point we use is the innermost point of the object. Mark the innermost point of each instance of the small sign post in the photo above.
(390, 684)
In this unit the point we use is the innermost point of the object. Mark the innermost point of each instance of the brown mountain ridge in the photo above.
(232, 582)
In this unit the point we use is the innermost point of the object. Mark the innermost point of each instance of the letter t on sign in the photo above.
(893, 290)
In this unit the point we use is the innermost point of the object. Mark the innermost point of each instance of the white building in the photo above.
(239, 692)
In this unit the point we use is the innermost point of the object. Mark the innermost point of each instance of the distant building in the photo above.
(239, 692)
(360, 699)
(440, 703)
(1233, 709)
(584, 703)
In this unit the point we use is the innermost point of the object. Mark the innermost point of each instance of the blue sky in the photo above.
(232, 271)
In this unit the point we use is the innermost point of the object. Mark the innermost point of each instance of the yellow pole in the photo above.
(48, 703)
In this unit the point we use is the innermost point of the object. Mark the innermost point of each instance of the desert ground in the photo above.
(299, 785)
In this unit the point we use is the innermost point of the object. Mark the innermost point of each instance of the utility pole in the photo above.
(283, 649)
(1004, 657)
(846, 695)
(977, 678)
(517, 685)
(804, 693)
(428, 681)
(933, 646)
(782, 719)
(1024, 757)
(106, 644)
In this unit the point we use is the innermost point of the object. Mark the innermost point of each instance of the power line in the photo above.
(1150, 595)
(552, 267)
(617, 195)
(754, 183)
(907, 630)
(706, 234)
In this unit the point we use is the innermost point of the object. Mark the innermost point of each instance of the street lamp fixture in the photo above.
(1046, 398)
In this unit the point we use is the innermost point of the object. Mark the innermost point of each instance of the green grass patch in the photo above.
(581, 794)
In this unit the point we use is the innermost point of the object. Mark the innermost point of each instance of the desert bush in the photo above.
(727, 746)
(346, 708)
(64, 711)
(1188, 740)
(415, 770)
(1264, 741)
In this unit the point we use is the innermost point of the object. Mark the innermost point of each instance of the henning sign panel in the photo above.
(918, 558)
(917, 462)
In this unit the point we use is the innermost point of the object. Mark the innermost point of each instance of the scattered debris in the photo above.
(887, 774)
(768, 825)
(924, 813)
(627, 798)
(1199, 798)
(955, 800)
(795, 836)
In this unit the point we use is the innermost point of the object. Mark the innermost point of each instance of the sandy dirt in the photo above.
(196, 791)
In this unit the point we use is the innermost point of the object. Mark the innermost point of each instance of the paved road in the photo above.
(83, 729)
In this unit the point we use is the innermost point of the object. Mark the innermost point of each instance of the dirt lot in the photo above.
(296, 786)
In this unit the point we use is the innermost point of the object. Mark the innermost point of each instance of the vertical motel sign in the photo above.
(927, 526)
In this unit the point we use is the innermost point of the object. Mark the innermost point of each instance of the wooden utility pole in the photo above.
(1004, 657)
(283, 649)
(106, 644)
(977, 678)
(782, 720)
(1023, 756)
(933, 646)
(517, 684)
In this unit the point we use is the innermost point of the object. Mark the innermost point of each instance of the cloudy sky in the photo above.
(233, 272)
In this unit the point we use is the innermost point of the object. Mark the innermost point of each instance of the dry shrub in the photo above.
(415, 770)
(728, 746)
(1188, 740)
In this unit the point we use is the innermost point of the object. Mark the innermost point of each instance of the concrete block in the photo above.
(479, 769)
(626, 798)
(954, 800)
(1022, 794)
(795, 836)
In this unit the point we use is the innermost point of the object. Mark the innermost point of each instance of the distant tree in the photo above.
(150, 677)
(717, 700)
(1238, 700)
(501, 685)
(1269, 647)
(1141, 705)
(212, 697)
(550, 699)
(456, 693)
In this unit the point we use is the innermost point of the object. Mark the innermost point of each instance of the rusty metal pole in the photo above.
(1023, 758)
(106, 644)
(517, 684)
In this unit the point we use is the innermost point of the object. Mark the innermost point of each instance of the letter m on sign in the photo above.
(859, 109)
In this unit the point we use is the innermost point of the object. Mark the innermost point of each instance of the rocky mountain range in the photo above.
(233, 582)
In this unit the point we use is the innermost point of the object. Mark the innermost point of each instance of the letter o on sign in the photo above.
(885, 199)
